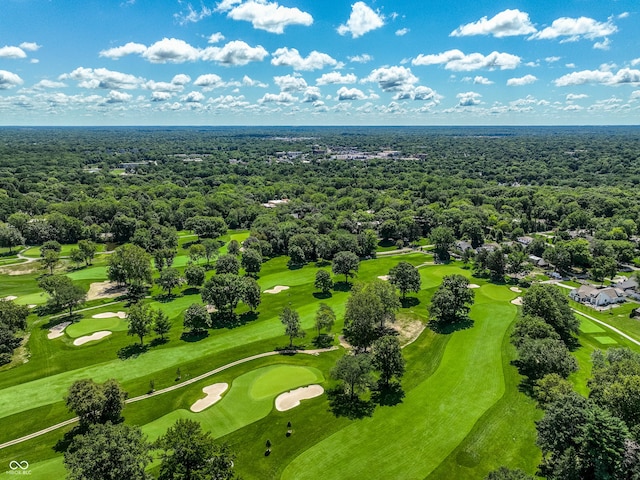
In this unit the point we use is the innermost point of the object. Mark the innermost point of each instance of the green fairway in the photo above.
(468, 382)
(606, 340)
(587, 326)
(249, 399)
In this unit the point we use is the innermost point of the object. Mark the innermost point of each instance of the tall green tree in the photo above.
(224, 292)
(452, 300)
(129, 264)
(169, 279)
(108, 452)
(227, 264)
(406, 278)
(323, 281)
(189, 453)
(363, 312)
(140, 319)
(443, 239)
(325, 318)
(197, 318)
(387, 359)
(345, 263)
(161, 323)
(550, 304)
(251, 295)
(63, 292)
(195, 275)
(251, 261)
(355, 371)
(293, 327)
(96, 403)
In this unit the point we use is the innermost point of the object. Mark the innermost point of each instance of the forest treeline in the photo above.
(64, 184)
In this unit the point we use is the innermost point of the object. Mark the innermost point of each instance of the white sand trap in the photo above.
(214, 393)
(57, 330)
(33, 305)
(10, 297)
(291, 399)
(277, 289)
(105, 290)
(473, 285)
(91, 338)
(515, 290)
(110, 315)
(384, 277)
(517, 301)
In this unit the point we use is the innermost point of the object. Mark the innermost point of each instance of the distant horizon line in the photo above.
(329, 126)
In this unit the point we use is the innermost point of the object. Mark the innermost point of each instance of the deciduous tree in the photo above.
(345, 263)
(406, 278)
(291, 321)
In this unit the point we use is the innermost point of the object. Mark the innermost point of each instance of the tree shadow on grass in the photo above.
(409, 302)
(342, 287)
(342, 405)
(156, 342)
(294, 266)
(191, 291)
(322, 263)
(322, 296)
(388, 395)
(62, 445)
(192, 337)
(132, 351)
(449, 328)
(166, 298)
(224, 320)
(323, 341)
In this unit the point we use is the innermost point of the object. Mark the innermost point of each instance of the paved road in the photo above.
(166, 390)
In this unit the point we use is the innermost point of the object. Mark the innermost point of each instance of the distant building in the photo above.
(275, 203)
(599, 297)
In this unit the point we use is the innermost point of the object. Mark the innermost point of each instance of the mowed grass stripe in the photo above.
(433, 418)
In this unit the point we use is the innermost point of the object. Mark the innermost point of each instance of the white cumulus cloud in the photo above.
(282, 97)
(118, 97)
(12, 52)
(311, 95)
(235, 52)
(215, 37)
(171, 50)
(336, 77)
(160, 96)
(209, 81)
(621, 77)
(9, 80)
(520, 81)
(418, 93)
(507, 23)
(345, 93)
(130, 48)
(468, 99)
(402, 32)
(290, 83)
(102, 78)
(48, 84)
(574, 29)
(250, 82)
(30, 46)
(193, 97)
(269, 16)
(480, 80)
(364, 58)
(290, 57)
(181, 79)
(576, 96)
(392, 79)
(192, 15)
(458, 61)
(363, 19)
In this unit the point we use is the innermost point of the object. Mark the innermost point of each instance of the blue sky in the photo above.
(312, 62)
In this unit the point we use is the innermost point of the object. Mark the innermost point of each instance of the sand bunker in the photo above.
(515, 289)
(384, 277)
(291, 399)
(473, 285)
(214, 393)
(110, 315)
(105, 290)
(57, 330)
(517, 301)
(277, 289)
(91, 338)
(10, 297)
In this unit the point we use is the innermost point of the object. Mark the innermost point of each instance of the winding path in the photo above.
(168, 389)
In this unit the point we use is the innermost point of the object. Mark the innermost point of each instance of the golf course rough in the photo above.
(468, 381)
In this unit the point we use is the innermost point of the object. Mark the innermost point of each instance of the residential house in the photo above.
(599, 297)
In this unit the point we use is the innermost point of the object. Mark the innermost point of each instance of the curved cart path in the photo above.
(168, 389)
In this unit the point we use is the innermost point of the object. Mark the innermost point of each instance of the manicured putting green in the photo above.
(587, 326)
(605, 339)
(87, 326)
(250, 398)
(98, 273)
(497, 292)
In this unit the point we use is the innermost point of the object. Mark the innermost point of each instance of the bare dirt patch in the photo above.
(110, 315)
(57, 330)
(214, 393)
(473, 285)
(91, 338)
(105, 290)
(408, 330)
(517, 301)
(277, 289)
(292, 398)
